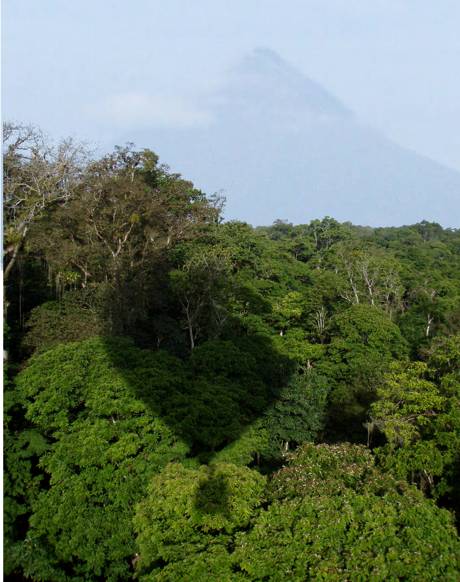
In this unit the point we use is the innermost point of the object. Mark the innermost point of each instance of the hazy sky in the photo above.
(96, 68)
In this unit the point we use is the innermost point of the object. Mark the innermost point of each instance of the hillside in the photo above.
(279, 145)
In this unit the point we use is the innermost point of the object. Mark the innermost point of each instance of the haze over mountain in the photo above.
(280, 146)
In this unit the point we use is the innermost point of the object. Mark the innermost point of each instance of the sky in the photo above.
(101, 68)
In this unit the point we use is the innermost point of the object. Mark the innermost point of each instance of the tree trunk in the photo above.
(191, 335)
(16, 248)
(428, 326)
(12, 261)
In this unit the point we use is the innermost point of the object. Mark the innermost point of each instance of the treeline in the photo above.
(193, 399)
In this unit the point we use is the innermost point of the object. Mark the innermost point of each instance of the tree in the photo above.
(23, 444)
(37, 176)
(201, 285)
(248, 345)
(444, 363)
(421, 422)
(76, 316)
(370, 275)
(288, 310)
(117, 230)
(329, 514)
(334, 516)
(326, 232)
(298, 414)
(364, 343)
(104, 443)
(406, 402)
(187, 523)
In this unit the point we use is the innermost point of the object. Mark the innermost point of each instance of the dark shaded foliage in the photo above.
(164, 365)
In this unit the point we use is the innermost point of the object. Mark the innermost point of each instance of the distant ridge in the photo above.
(272, 86)
(281, 146)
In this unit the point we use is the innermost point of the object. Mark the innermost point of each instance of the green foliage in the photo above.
(253, 444)
(351, 536)
(37, 177)
(367, 275)
(298, 414)
(364, 343)
(421, 422)
(294, 345)
(201, 286)
(444, 362)
(325, 470)
(335, 517)
(69, 319)
(117, 229)
(329, 515)
(188, 521)
(105, 445)
(406, 402)
(247, 344)
(21, 480)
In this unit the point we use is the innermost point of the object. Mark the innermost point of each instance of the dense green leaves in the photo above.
(104, 445)
(334, 516)
(421, 421)
(351, 537)
(171, 376)
(329, 515)
(364, 342)
(187, 521)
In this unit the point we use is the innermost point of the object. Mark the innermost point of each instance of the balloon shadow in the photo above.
(207, 399)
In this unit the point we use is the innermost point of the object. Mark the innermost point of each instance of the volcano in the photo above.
(279, 145)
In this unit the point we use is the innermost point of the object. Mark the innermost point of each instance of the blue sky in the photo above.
(96, 68)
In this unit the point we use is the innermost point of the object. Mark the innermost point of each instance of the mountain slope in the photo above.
(280, 146)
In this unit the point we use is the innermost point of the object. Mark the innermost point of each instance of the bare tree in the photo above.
(320, 321)
(36, 176)
(371, 277)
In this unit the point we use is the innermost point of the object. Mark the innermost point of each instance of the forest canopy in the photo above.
(189, 398)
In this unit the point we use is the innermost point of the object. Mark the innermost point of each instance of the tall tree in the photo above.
(37, 176)
(117, 230)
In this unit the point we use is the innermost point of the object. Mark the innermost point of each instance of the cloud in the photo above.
(134, 110)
